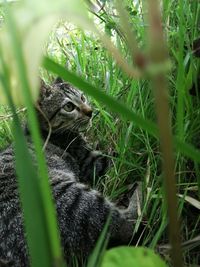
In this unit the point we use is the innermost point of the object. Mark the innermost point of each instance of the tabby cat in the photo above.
(81, 211)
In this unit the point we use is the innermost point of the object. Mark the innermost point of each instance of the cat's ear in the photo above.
(45, 89)
(58, 80)
(60, 83)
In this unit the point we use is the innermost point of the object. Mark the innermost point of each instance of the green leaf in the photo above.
(132, 257)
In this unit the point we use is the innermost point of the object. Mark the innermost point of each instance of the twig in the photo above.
(137, 55)
(129, 70)
(49, 125)
(158, 56)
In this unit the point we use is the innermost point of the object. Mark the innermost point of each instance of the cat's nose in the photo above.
(87, 111)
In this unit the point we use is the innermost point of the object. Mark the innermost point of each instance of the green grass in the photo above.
(5, 131)
(138, 153)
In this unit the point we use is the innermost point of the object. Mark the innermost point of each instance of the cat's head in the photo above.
(63, 107)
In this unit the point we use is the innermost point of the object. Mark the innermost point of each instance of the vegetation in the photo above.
(131, 140)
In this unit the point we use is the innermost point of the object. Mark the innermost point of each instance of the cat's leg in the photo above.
(82, 214)
(92, 163)
(4, 263)
(124, 235)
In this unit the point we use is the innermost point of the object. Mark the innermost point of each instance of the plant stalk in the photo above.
(158, 55)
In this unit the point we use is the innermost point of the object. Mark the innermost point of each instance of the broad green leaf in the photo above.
(132, 257)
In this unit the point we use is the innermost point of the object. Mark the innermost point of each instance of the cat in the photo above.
(63, 114)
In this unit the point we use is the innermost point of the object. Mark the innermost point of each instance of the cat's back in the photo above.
(11, 230)
(59, 159)
(62, 169)
(7, 174)
(56, 158)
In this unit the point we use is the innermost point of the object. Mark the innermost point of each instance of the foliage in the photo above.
(132, 138)
(131, 257)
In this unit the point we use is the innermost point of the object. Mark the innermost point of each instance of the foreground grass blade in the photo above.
(117, 107)
(180, 83)
(35, 226)
(43, 183)
(38, 240)
(100, 96)
(96, 256)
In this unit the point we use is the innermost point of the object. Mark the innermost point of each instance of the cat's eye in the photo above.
(69, 107)
(83, 98)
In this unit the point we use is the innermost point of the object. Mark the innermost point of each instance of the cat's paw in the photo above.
(5, 263)
(101, 163)
(135, 203)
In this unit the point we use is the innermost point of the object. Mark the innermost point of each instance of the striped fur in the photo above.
(81, 211)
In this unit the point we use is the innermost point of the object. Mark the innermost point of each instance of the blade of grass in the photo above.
(99, 95)
(180, 84)
(46, 196)
(96, 256)
(38, 241)
(117, 106)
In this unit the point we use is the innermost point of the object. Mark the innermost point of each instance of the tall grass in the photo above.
(33, 185)
(134, 134)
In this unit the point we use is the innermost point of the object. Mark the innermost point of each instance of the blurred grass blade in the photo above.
(117, 106)
(136, 54)
(120, 60)
(187, 149)
(37, 235)
(96, 256)
(99, 95)
(43, 183)
(194, 202)
(38, 242)
(34, 20)
(180, 83)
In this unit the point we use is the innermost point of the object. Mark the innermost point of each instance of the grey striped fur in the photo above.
(81, 211)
